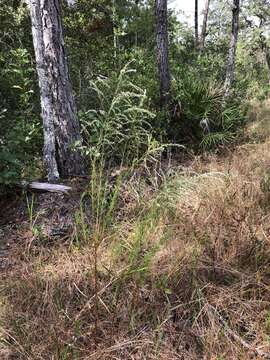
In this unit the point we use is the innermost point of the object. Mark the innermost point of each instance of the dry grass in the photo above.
(182, 274)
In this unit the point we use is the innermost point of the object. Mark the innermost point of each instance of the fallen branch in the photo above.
(45, 187)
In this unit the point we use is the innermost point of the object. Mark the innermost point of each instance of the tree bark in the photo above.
(196, 24)
(265, 48)
(267, 57)
(60, 123)
(115, 37)
(47, 113)
(204, 25)
(230, 72)
(161, 13)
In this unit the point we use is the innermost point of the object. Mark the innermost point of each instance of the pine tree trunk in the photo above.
(267, 57)
(204, 25)
(60, 122)
(196, 24)
(232, 50)
(115, 36)
(265, 48)
(47, 112)
(162, 50)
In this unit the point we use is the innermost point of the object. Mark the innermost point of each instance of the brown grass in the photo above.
(182, 274)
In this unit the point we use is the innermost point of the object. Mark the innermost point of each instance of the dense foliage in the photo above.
(102, 37)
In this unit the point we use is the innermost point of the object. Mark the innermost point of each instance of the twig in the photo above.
(88, 303)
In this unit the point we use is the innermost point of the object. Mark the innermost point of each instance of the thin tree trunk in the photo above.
(60, 122)
(161, 13)
(115, 36)
(196, 24)
(204, 25)
(266, 51)
(267, 57)
(230, 72)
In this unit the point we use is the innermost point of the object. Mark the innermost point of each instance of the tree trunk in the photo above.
(163, 50)
(267, 57)
(115, 30)
(265, 48)
(61, 127)
(47, 113)
(204, 25)
(196, 24)
(232, 50)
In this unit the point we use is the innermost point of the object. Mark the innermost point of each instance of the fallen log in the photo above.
(45, 187)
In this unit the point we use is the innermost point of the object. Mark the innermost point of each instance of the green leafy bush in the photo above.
(20, 128)
(10, 169)
(10, 166)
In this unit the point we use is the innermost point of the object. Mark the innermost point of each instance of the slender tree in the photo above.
(196, 23)
(232, 50)
(161, 12)
(257, 17)
(204, 25)
(60, 123)
(265, 48)
(115, 37)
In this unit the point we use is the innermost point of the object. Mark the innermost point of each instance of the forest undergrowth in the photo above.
(173, 265)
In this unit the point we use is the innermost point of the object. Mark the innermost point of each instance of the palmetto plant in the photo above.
(202, 103)
(215, 139)
(202, 100)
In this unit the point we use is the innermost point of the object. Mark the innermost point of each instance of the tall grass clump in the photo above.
(118, 130)
(118, 139)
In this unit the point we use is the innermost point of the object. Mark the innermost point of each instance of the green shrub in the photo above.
(205, 118)
(10, 169)
(9, 165)
(21, 140)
